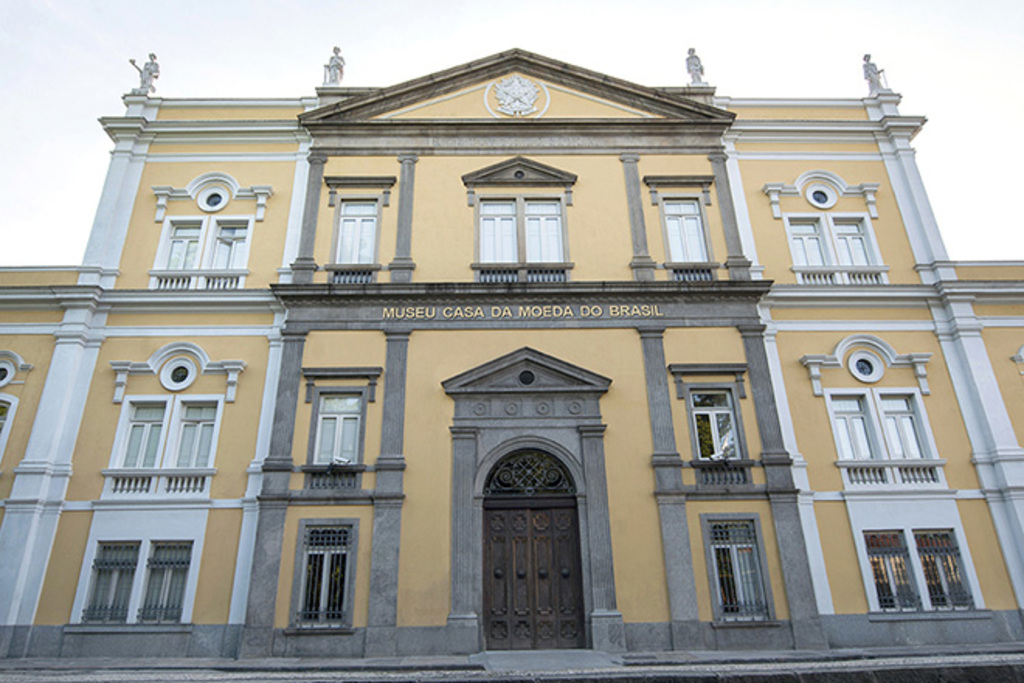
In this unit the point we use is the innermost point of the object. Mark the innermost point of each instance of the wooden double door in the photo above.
(533, 597)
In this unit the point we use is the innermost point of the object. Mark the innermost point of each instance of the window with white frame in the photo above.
(714, 424)
(4, 407)
(166, 578)
(113, 572)
(830, 240)
(879, 424)
(338, 429)
(178, 432)
(326, 570)
(210, 252)
(684, 231)
(937, 561)
(521, 231)
(734, 560)
(357, 232)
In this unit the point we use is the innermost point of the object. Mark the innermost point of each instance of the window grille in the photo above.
(165, 587)
(326, 570)
(890, 566)
(737, 568)
(113, 571)
(529, 473)
(940, 560)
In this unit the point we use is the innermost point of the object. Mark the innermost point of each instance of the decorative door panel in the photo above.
(532, 577)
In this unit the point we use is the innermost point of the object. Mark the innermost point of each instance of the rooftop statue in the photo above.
(695, 68)
(334, 69)
(873, 75)
(147, 73)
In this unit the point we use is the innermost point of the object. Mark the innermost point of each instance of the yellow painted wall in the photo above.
(770, 233)
(236, 443)
(286, 579)
(800, 113)
(266, 243)
(810, 415)
(994, 271)
(987, 555)
(1002, 343)
(61, 582)
(841, 562)
(218, 112)
(217, 568)
(38, 351)
(15, 276)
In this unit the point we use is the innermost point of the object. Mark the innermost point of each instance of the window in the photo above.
(357, 232)
(165, 582)
(879, 425)
(338, 433)
(522, 232)
(147, 423)
(735, 567)
(893, 571)
(326, 567)
(940, 560)
(684, 231)
(175, 433)
(202, 253)
(113, 571)
(714, 423)
(890, 567)
(197, 427)
(833, 249)
(3, 417)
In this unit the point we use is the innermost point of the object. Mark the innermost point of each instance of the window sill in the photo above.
(352, 273)
(128, 628)
(930, 615)
(751, 623)
(841, 275)
(198, 278)
(319, 630)
(504, 273)
(697, 271)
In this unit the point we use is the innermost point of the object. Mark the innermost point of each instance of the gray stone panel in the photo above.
(402, 266)
(126, 641)
(923, 628)
(305, 265)
(775, 635)
(736, 261)
(642, 263)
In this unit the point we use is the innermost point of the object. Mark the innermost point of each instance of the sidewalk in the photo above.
(1003, 663)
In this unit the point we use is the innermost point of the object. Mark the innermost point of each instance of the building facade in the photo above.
(515, 355)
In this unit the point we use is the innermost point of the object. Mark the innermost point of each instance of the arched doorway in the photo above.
(533, 591)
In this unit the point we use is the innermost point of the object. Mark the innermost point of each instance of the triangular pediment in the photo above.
(519, 171)
(523, 371)
(515, 85)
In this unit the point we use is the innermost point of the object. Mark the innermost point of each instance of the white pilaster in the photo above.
(291, 239)
(996, 454)
(41, 478)
(739, 200)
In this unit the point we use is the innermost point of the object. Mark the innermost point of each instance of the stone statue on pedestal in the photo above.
(149, 71)
(334, 69)
(695, 68)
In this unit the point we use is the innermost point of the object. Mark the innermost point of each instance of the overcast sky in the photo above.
(64, 63)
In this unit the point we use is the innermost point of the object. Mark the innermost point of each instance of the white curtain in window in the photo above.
(358, 232)
(685, 232)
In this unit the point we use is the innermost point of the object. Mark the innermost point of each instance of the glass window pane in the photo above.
(151, 446)
(134, 450)
(205, 441)
(726, 438)
(349, 438)
(328, 429)
(340, 404)
(705, 400)
(860, 438)
(705, 438)
(188, 439)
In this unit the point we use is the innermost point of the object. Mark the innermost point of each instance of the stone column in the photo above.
(607, 630)
(258, 634)
(464, 618)
(402, 266)
(782, 496)
(642, 263)
(382, 618)
(675, 532)
(736, 261)
(305, 265)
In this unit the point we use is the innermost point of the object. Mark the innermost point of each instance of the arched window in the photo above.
(529, 473)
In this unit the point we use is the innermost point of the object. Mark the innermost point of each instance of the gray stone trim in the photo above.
(642, 263)
(467, 532)
(704, 182)
(782, 496)
(675, 534)
(351, 563)
(257, 636)
(370, 374)
(402, 266)
(680, 370)
(305, 265)
(382, 617)
(736, 261)
(384, 183)
(520, 172)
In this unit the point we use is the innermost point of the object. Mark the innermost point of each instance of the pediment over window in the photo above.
(526, 371)
(519, 171)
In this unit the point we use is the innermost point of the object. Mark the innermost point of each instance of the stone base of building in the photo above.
(185, 640)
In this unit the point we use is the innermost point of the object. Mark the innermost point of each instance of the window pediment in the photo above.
(526, 371)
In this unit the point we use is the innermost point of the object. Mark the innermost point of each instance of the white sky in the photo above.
(64, 63)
